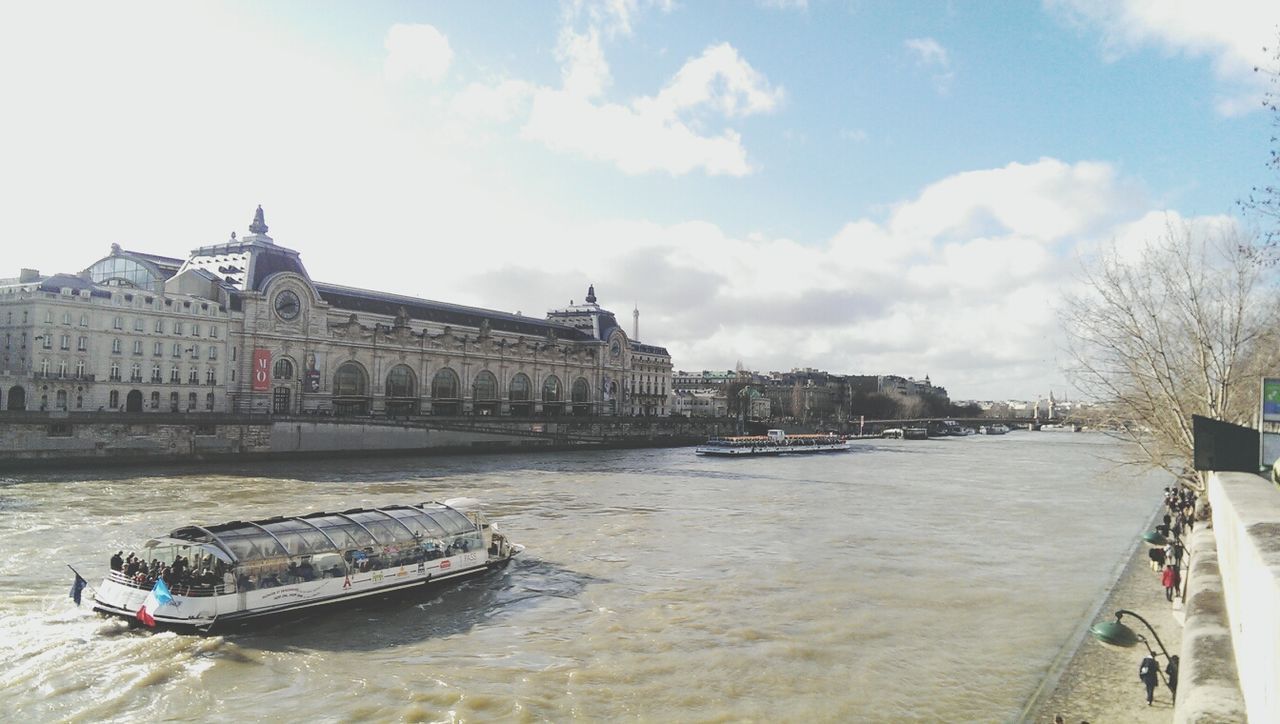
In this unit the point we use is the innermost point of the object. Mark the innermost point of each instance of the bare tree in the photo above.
(1263, 201)
(1184, 327)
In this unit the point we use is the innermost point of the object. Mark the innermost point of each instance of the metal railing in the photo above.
(177, 589)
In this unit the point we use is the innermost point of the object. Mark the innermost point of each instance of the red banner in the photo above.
(261, 370)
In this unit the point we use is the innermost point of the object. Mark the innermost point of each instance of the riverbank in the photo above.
(47, 440)
(1100, 683)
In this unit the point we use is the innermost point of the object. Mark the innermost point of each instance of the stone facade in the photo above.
(243, 327)
(70, 344)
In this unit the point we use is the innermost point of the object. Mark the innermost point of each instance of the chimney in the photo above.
(28, 275)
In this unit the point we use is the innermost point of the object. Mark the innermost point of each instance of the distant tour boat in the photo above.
(915, 433)
(776, 442)
(993, 429)
(199, 577)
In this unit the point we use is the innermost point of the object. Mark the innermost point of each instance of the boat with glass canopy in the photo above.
(242, 571)
(775, 442)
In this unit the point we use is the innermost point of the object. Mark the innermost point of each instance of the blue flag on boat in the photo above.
(77, 587)
(161, 592)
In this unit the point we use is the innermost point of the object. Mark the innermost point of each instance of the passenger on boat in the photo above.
(117, 563)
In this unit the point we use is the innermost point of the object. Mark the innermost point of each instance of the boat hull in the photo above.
(212, 614)
(771, 450)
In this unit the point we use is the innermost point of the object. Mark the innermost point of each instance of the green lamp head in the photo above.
(1155, 538)
(1114, 633)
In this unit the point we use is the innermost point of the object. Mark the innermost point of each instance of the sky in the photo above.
(863, 187)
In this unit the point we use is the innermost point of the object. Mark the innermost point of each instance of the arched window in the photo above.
(519, 390)
(551, 389)
(350, 381)
(400, 382)
(484, 393)
(444, 386)
(552, 396)
(283, 369)
(485, 387)
(401, 391)
(519, 393)
(445, 393)
(581, 397)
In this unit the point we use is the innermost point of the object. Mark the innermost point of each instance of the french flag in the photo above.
(158, 597)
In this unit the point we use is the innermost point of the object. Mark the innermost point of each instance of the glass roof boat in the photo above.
(776, 442)
(199, 577)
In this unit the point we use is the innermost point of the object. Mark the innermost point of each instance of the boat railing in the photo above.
(199, 590)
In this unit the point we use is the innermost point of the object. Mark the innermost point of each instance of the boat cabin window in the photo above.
(299, 538)
(343, 532)
(423, 525)
(248, 544)
(384, 531)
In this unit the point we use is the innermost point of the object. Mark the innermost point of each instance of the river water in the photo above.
(905, 580)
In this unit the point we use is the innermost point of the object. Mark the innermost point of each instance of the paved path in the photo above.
(1100, 683)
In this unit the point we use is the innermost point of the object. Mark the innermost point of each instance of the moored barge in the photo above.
(241, 572)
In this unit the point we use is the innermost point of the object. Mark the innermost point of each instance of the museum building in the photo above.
(241, 327)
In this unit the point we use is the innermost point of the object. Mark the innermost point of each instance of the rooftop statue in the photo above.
(259, 225)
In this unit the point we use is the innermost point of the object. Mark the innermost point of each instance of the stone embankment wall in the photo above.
(42, 439)
(1208, 689)
(1246, 524)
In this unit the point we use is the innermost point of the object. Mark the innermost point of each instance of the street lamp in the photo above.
(1114, 633)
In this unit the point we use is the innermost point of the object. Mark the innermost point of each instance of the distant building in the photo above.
(701, 403)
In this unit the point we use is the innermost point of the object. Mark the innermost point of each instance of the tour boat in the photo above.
(242, 572)
(996, 429)
(776, 442)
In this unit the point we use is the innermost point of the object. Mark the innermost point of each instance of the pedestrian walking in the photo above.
(1171, 677)
(1170, 580)
(1149, 673)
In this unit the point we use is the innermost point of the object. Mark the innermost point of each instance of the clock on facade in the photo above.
(615, 350)
(287, 305)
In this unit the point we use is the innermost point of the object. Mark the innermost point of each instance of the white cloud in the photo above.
(679, 130)
(1232, 33)
(652, 133)
(634, 142)
(958, 282)
(612, 17)
(930, 54)
(719, 78)
(584, 71)
(786, 4)
(1044, 201)
(853, 134)
(416, 51)
(499, 103)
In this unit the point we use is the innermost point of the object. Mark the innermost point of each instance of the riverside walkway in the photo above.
(1099, 684)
